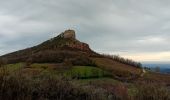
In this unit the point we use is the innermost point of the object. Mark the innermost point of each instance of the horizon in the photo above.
(137, 30)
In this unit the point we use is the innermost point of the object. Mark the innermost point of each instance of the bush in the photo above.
(14, 87)
(17, 87)
(123, 60)
(118, 92)
(83, 61)
(152, 91)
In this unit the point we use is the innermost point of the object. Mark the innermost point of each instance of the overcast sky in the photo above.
(137, 29)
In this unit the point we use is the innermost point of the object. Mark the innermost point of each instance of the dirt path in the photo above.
(143, 72)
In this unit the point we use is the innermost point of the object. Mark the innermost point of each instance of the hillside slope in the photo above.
(64, 46)
(66, 49)
(66, 69)
(119, 71)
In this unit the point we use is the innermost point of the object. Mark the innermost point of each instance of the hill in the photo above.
(57, 49)
(64, 68)
(66, 48)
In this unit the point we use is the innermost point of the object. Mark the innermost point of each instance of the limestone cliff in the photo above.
(70, 41)
(68, 34)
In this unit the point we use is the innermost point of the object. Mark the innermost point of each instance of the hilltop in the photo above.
(64, 46)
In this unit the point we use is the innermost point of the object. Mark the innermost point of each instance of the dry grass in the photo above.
(156, 77)
(117, 67)
(152, 91)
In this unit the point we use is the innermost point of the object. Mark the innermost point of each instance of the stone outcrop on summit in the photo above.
(68, 34)
(75, 44)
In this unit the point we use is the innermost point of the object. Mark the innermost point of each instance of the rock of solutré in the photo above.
(68, 34)
(74, 43)
(64, 42)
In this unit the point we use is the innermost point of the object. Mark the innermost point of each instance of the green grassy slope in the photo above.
(85, 72)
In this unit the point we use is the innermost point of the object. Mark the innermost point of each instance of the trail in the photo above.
(143, 72)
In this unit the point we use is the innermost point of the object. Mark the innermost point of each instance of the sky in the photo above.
(135, 29)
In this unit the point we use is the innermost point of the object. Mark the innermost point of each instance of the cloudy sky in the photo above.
(137, 29)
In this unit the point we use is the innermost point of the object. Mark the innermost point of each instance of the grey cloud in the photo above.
(110, 25)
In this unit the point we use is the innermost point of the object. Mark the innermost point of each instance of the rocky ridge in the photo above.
(53, 50)
(74, 43)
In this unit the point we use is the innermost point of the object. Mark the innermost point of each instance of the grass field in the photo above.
(116, 68)
(86, 72)
(80, 72)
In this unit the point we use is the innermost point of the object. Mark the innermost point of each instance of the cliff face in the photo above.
(81, 46)
(68, 34)
(70, 37)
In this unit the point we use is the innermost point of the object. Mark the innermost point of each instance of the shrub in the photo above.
(152, 91)
(17, 87)
(118, 92)
(61, 89)
(83, 61)
(123, 60)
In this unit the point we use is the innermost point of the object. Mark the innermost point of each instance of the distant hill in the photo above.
(162, 68)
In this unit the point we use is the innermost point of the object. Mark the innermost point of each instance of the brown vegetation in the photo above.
(21, 86)
(119, 70)
(152, 91)
(17, 87)
(124, 60)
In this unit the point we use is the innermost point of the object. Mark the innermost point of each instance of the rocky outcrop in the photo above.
(80, 46)
(65, 42)
(74, 43)
(68, 34)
